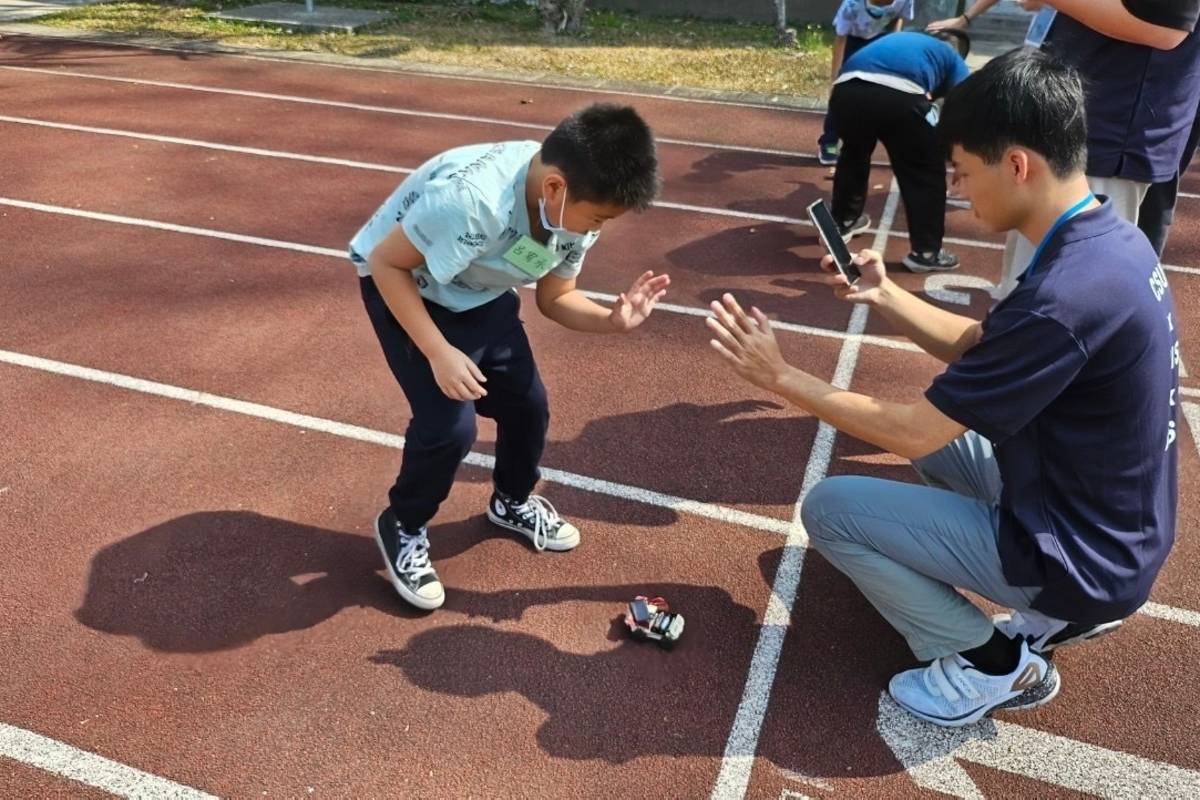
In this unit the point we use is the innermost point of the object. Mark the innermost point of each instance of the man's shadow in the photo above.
(636, 700)
(744, 451)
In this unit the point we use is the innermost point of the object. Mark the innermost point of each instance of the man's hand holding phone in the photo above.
(872, 275)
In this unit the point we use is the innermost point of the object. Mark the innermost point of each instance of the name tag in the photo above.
(1040, 26)
(534, 259)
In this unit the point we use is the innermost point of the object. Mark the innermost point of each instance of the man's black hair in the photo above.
(960, 40)
(607, 154)
(1023, 98)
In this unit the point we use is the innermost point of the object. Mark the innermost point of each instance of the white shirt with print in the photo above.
(866, 21)
(463, 210)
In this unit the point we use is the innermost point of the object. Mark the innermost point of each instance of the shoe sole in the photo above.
(557, 545)
(921, 269)
(413, 599)
(1033, 698)
(826, 162)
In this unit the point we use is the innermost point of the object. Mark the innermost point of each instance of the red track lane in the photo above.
(693, 175)
(299, 315)
(205, 584)
(238, 584)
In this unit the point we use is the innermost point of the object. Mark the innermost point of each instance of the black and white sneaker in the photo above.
(941, 261)
(851, 229)
(536, 520)
(408, 565)
(1046, 640)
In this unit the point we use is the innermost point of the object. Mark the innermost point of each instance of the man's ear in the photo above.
(1017, 163)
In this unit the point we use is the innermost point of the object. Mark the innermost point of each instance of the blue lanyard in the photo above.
(1058, 223)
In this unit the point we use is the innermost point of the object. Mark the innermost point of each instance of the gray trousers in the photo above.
(907, 547)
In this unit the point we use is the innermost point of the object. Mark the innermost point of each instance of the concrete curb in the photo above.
(780, 102)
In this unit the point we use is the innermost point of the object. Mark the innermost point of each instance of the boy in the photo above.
(1049, 443)
(439, 264)
(856, 23)
(885, 93)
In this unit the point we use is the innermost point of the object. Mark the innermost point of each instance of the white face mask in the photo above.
(562, 239)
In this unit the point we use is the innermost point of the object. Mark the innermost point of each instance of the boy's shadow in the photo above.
(222, 579)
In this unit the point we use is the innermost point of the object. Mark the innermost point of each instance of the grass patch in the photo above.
(663, 52)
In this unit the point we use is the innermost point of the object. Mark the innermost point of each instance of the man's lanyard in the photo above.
(1058, 223)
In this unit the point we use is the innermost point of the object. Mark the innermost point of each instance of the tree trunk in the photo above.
(562, 16)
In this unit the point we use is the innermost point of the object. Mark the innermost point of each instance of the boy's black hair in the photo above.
(1024, 98)
(607, 154)
(960, 40)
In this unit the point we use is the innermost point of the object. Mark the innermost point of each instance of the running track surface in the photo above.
(199, 429)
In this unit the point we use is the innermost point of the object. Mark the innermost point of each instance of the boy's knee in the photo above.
(457, 433)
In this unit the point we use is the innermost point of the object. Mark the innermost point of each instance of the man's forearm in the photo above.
(577, 312)
(977, 8)
(1111, 18)
(883, 424)
(942, 334)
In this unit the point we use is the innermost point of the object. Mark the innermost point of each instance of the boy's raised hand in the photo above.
(457, 376)
(633, 306)
(866, 288)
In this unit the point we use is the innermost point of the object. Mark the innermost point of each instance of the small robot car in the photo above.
(650, 620)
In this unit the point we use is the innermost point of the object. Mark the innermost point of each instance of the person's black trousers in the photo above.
(866, 113)
(442, 430)
(1157, 210)
(853, 45)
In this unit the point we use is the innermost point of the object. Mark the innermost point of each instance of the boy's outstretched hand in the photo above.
(747, 343)
(633, 306)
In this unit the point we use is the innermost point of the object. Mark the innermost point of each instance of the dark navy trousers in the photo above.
(442, 430)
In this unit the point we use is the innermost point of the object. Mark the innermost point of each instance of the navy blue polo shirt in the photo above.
(1074, 381)
(1140, 101)
(930, 63)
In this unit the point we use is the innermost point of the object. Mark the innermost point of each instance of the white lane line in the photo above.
(366, 165)
(395, 441)
(737, 763)
(64, 760)
(252, 151)
(1182, 616)
(930, 755)
(344, 430)
(173, 228)
(404, 112)
(880, 341)
(400, 72)
(1189, 392)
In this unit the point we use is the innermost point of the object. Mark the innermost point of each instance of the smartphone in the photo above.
(821, 216)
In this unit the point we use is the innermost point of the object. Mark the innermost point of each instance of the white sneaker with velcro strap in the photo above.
(952, 692)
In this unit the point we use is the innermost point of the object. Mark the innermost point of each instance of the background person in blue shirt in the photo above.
(856, 23)
(885, 94)
(439, 264)
(1049, 442)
